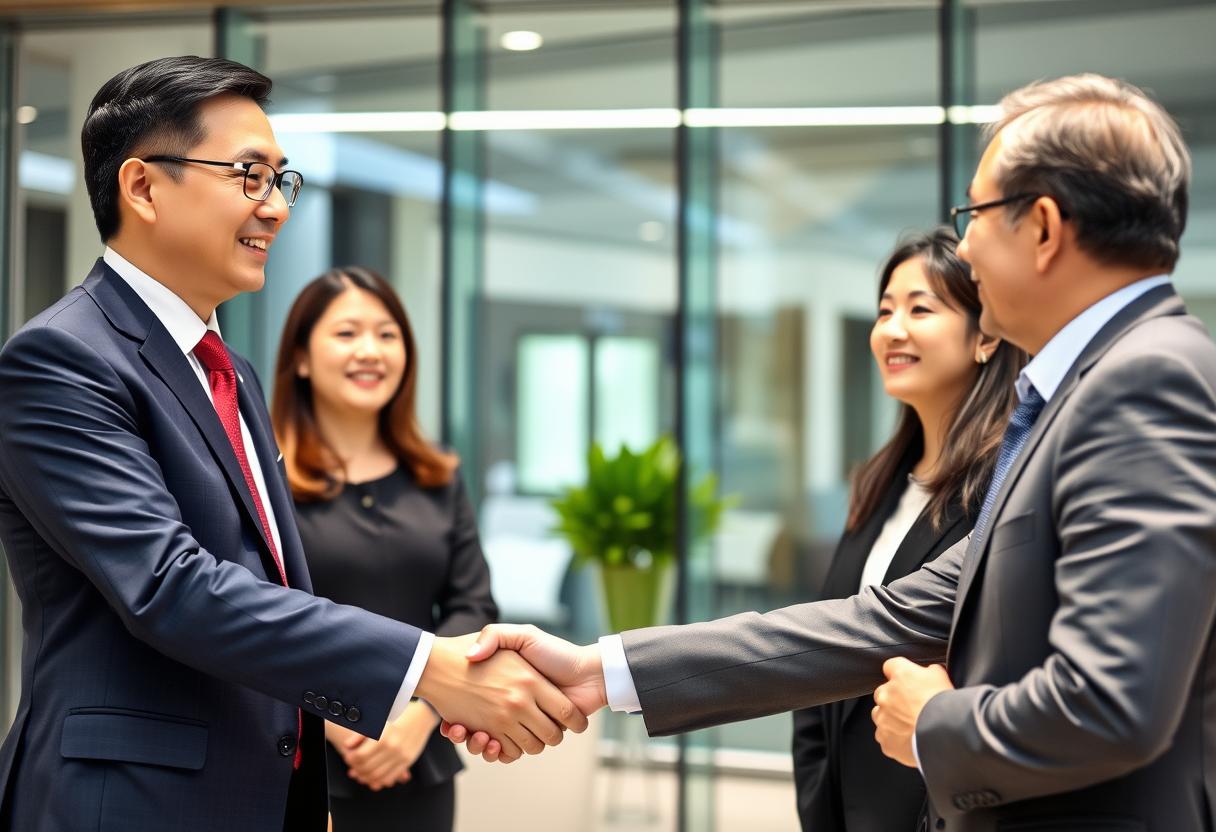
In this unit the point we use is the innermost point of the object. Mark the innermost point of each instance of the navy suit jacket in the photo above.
(163, 663)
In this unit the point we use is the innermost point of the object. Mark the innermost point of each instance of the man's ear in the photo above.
(135, 190)
(1049, 228)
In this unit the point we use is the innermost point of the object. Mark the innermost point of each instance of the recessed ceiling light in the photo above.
(26, 114)
(521, 41)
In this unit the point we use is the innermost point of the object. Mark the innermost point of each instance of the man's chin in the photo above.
(250, 281)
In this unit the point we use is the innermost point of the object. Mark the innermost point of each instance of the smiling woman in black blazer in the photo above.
(910, 502)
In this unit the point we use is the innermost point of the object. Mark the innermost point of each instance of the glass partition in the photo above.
(610, 222)
(373, 180)
(807, 209)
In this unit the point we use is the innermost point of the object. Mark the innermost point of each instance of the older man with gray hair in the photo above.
(1057, 670)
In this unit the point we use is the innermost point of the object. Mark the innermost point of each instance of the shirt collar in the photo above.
(186, 328)
(1047, 369)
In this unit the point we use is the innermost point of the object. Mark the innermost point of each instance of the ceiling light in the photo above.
(563, 119)
(26, 114)
(521, 41)
(383, 122)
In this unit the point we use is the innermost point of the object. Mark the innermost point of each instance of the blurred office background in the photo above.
(609, 220)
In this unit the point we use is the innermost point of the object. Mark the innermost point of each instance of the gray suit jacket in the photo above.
(1079, 635)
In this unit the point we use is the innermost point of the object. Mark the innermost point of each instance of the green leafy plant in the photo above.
(625, 514)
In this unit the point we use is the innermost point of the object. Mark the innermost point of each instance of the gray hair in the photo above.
(1111, 157)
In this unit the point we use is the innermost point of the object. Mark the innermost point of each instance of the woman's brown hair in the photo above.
(311, 463)
(973, 440)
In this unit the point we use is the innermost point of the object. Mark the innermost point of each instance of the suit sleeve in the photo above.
(466, 604)
(749, 665)
(73, 460)
(1135, 506)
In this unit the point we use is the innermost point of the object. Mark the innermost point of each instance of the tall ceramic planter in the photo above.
(636, 597)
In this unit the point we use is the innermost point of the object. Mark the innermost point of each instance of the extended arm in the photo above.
(75, 462)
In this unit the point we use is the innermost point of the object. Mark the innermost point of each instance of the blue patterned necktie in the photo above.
(1016, 434)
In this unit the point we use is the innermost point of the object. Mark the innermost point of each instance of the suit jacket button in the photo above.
(336, 708)
(287, 745)
(941, 824)
(309, 696)
(320, 703)
(353, 714)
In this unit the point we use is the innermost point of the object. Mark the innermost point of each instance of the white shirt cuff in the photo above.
(412, 675)
(618, 681)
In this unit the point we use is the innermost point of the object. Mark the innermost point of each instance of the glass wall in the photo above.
(609, 222)
(807, 211)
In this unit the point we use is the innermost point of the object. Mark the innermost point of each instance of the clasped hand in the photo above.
(519, 686)
(899, 701)
(386, 762)
(577, 672)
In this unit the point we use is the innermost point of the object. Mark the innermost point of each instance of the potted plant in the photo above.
(623, 520)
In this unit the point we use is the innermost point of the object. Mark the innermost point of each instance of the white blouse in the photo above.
(911, 504)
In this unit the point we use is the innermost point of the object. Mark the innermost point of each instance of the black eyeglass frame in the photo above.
(274, 181)
(995, 203)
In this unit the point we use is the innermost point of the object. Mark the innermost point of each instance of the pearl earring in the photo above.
(983, 359)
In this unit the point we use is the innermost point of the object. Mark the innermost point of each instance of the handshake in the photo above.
(511, 690)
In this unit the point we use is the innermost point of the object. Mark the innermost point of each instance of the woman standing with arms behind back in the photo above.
(910, 502)
(386, 525)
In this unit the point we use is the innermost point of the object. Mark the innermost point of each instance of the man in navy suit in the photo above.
(176, 665)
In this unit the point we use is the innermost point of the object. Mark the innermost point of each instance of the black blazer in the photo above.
(843, 780)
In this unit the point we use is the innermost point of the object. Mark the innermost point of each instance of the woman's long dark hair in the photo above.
(973, 439)
(311, 463)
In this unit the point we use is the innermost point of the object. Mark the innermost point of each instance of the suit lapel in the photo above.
(1154, 303)
(262, 435)
(165, 358)
(978, 548)
(844, 575)
(128, 313)
(921, 540)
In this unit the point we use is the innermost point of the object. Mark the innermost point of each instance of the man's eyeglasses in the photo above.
(260, 178)
(965, 210)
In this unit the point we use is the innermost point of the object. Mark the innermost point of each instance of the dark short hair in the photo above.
(1111, 156)
(153, 108)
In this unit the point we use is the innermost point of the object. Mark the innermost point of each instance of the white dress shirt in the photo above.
(1046, 372)
(187, 329)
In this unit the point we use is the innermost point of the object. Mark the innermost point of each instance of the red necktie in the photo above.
(213, 355)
